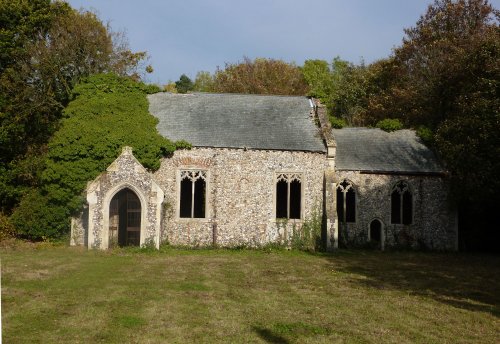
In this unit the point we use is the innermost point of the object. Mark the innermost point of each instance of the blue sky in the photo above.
(192, 35)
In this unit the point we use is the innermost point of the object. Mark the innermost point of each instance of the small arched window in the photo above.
(401, 204)
(346, 202)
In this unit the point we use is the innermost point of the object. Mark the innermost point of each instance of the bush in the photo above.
(425, 134)
(37, 219)
(337, 123)
(390, 124)
(107, 112)
(6, 227)
(308, 236)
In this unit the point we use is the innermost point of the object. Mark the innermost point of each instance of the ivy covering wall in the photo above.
(107, 112)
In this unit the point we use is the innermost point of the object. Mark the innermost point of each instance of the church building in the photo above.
(261, 167)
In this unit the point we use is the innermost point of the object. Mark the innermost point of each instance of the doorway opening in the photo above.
(375, 235)
(125, 219)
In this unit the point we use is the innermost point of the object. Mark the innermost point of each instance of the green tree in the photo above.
(22, 22)
(184, 84)
(349, 95)
(47, 47)
(318, 76)
(204, 82)
(446, 77)
(107, 112)
(261, 76)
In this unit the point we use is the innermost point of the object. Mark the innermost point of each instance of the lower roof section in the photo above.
(376, 151)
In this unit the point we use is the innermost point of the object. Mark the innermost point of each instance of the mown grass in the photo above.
(70, 295)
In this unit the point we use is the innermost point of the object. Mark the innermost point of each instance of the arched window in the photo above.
(401, 204)
(193, 194)
(346, 202)
(288, 196)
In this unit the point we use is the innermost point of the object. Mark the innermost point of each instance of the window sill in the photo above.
(193, 219)
(286, 221)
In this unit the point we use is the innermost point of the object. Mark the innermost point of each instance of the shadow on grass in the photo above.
(465, 281)
(269, 336)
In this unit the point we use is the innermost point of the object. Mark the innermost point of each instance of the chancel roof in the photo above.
(237, 121)
(374, 150)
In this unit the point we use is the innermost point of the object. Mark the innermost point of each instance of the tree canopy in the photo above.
(46, 49)
(444, 81)
(184, 84)
(107, 112)
(260, 76)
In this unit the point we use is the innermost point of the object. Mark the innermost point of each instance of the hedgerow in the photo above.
(107, 112)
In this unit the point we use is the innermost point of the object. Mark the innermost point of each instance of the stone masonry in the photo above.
(434, 225)
(242, 146)
(240, 195)
(124, 172)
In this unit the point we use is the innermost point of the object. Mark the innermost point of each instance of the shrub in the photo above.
(337, 123)
(390, 124)
(6, 227)
(425, 134)
(308, 236)
(107, 112)
(37, 218)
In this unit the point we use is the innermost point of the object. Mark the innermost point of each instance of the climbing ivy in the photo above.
(107, 112)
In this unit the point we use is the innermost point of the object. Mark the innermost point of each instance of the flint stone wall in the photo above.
(80, 228)
(124, 172)
(434, 224)
(241, 188)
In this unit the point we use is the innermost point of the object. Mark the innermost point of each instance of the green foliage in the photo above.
(184, 84)
(337, 123)
(204, 82)
(389, 124)
(6, 227)
(37, 218)
(351, 85)
(170, 87)
(21, 23)
(46, 48)
(308, 236)
(425, 134)
(260, 76)
(318, 76)
(107, 113)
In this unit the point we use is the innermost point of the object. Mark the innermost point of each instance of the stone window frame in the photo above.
(276, 176)
(408, 188)
(178, 195)
(356, 200)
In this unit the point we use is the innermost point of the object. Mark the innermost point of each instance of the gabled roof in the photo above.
(237, 121)
(374, 150)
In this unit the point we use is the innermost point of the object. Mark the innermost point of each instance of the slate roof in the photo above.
(374, 150)
(237, 121)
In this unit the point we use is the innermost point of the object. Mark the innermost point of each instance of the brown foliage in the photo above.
(428, 71)
(261, 76)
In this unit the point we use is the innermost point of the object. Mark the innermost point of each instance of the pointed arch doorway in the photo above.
(376, 233)
(125, 219)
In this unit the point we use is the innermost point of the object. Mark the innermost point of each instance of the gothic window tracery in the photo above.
(288, 195)
(401, 204)
(192, 200)
(346, 202)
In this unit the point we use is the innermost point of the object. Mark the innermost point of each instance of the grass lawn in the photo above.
(70, 295)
